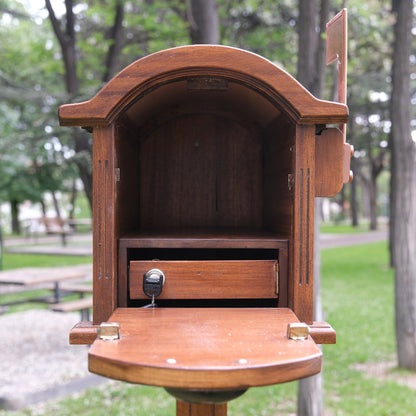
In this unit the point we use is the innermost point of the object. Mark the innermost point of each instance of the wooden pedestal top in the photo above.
(197, 348)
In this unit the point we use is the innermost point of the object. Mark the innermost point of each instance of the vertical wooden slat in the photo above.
(188, 409)
(104, 243)
(283, 278)
(122, 282)
(302, 242)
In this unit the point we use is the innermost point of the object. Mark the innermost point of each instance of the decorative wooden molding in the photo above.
(190, 61)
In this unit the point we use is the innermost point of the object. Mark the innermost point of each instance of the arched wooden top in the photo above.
(234, 64)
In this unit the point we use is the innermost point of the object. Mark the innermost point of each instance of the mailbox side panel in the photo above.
(301, 276)
(104, 238)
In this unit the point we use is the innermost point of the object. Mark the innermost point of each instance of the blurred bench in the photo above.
(57, 226)
(83, 304)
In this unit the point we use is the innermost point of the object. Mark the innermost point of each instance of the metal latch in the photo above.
(153, 281)
(109, 331)
(298, 331)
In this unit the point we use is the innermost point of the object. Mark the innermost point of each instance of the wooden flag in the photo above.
(336, 50)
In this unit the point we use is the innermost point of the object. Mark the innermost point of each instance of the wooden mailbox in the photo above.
(207, 160)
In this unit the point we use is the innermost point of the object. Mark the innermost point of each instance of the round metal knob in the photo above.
(155, 275)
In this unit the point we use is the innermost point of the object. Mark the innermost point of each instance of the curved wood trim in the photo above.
(205, 348)
(86, 333)
(169, 65)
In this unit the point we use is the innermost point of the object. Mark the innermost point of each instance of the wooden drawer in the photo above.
(209, 279)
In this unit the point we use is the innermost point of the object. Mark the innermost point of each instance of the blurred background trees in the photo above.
(54, 52)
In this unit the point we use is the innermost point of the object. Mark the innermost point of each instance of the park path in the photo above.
(344, 240)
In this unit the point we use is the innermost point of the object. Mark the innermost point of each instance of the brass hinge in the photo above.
(290, 181)
(117, 174)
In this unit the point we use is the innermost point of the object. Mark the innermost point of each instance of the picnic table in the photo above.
(30, 277)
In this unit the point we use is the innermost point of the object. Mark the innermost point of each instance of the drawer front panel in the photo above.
(226, 279)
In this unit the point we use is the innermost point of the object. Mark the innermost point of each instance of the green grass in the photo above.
(358, 297)
(16, 261)
(358, 301)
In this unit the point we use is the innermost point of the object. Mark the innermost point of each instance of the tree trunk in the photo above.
(373, 202)
(354, 201)
(65, 33)
(74, 193)
(83, 160)
(392, 214)
(203, 17)
(403, 189)
(43, 207)
(115, 48)
(310, 389)
(14, 205)
(354, 167)
(311, 61)
(307, 23)
(56, 204)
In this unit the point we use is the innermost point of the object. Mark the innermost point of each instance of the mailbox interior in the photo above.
(209, 153)
(203, 165)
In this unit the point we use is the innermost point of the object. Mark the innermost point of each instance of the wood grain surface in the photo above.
(205, 348)
(230, 279)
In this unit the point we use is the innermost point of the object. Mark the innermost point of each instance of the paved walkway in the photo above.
(77, 245)
(344, 240)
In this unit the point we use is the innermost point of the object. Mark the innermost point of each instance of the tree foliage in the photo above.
(105, 36)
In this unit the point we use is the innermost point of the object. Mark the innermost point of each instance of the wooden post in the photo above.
(188, 409)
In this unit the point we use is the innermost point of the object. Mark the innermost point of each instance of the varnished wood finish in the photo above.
(329, 162)
(230, 279)
(347, 175)
(322, 333)
(200, 239)
(104, 230)
(195, 171)
(192, 409)
(86, 333)
(279, 151)
(337, 50)
(301, 283)
(83, 333)
(217, 349)
(283, 278)
(214, 140)
(202, 60)
(206, 158)
(221, 238)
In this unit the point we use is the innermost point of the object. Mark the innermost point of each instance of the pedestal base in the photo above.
(205, 396)
(188, 409)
